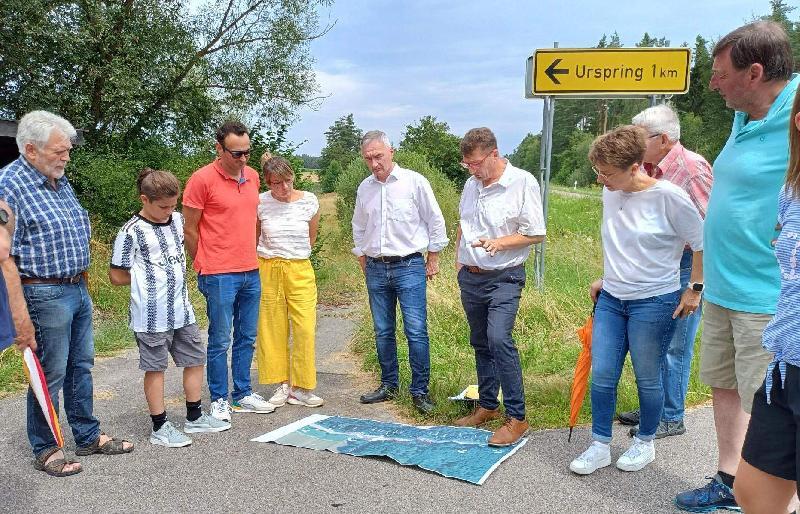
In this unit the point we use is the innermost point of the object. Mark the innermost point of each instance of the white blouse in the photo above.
(284, 226)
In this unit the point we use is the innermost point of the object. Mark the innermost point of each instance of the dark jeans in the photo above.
(62, 318)
(404, 282)
(232, 301)
(491, 301)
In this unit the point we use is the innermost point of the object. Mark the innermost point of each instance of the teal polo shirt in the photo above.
(741, 272)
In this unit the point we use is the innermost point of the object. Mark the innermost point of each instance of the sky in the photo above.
(392, 62)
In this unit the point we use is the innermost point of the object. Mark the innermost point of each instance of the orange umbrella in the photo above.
(581, 379)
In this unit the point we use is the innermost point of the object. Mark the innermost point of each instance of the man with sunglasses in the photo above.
(500, 218)
(219, 208)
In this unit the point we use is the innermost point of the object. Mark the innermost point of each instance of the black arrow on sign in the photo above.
(552, 71)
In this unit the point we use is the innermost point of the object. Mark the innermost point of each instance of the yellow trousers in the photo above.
(288, 292)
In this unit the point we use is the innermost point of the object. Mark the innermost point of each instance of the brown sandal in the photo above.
(55, 468)
(113, 446)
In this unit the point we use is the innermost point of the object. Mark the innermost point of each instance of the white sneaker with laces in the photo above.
(640, 454)
(206, 423)
(253, 402)
(221, 409)
(597, 456)
(306, 398)
(169, 436)
(281, 395)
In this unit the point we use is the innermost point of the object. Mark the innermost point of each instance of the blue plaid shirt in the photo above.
(51, 239)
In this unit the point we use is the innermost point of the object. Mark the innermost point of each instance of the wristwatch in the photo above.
(696, 286)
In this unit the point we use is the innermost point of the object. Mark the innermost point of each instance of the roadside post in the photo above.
(605, 73)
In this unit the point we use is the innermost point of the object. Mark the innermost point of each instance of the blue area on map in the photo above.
(451, 451)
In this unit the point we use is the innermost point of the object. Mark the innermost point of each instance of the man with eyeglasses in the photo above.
(219, 208)
(396, 218)
(500, 218)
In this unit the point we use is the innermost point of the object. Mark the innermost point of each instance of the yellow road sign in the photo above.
(608, 71)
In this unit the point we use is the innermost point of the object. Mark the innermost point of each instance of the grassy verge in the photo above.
(545, 328)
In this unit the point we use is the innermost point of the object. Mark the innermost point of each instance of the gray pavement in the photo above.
(226, 472)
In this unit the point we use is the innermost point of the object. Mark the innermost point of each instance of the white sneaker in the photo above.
(253, 402)
(206, 423)
(281, 394)
(305, 398)
(640, 454)
(221, 409)
(169, 436)
(597, 456)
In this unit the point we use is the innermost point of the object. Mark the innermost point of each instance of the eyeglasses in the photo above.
(468, 165)
(602, 175)
(651, 136)
(236, 154)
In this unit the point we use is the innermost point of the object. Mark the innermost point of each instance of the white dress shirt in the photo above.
(512, 205)
(397, 217)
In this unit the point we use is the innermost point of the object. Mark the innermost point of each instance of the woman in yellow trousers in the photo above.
(287, 229)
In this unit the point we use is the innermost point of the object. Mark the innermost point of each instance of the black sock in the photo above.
(158, 420)
(726, 478)
(193, 411)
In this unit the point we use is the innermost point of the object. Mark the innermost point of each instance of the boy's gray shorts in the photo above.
(184, 344)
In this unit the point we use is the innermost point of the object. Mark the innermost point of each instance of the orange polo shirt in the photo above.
(227, 242)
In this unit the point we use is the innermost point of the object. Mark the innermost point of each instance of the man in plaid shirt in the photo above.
(666, 159)
(51, 248)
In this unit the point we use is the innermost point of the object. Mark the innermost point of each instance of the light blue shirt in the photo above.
(739, 264)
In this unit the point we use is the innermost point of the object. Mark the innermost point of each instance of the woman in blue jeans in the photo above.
(646, 224)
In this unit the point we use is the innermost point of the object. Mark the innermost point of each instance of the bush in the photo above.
(330, 176)
(443, 188)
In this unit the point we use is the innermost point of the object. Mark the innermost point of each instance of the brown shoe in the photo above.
(512, 431)
(478, 417)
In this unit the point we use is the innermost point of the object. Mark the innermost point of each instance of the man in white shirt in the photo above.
(500, 218)
(396, 218)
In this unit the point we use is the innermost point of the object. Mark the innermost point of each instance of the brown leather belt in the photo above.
(475, 269)
(41, 280)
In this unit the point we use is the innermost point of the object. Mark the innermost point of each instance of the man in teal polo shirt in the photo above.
(752, 71)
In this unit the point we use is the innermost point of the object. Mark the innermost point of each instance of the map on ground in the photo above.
(454, 452)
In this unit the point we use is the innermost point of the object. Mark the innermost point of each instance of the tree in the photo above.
(433, 139)
(328, 183)
(343, 143)
(155, 68)
(526, 154)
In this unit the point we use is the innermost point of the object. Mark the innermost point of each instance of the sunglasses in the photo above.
(236, 154)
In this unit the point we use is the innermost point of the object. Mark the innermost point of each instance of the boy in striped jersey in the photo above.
(148, 254)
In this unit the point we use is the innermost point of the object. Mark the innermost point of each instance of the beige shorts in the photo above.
(731, 355)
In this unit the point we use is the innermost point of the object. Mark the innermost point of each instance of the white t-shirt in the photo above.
(284, 226)
(644, 234)
(512, 205)
(153, 253)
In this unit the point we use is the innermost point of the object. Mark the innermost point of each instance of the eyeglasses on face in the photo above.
(236, 154)
(467, 165)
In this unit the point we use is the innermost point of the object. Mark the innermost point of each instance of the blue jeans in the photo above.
(491, 302)
(405, 282)
(678, 362)
(62, 318)
(644, 327)
(232, 301)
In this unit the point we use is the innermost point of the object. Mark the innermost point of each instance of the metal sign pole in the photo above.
(546, 151)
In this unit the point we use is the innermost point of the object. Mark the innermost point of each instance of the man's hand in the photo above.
(26, 337)
(492, 246)
(362, 261)
(690, 302)
(432, 265)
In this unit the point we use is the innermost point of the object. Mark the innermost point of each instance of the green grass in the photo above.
(544, 332)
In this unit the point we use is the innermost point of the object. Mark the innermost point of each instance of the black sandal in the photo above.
(113, 446)
(55, 468)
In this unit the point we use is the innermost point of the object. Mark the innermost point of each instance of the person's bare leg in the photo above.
(758, 492)
(193, 383)
(730, 422)
(154, 391)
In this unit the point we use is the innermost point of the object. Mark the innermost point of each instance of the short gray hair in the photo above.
(37, 126)
(375, 135)
(660, 119)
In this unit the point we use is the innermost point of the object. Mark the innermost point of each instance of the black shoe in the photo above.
(381, 394)
(665, 429)
(629, 418)
(423, 403)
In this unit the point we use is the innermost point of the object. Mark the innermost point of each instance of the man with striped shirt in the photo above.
(51, 249)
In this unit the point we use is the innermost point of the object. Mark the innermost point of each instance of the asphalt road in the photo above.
(226, 472)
